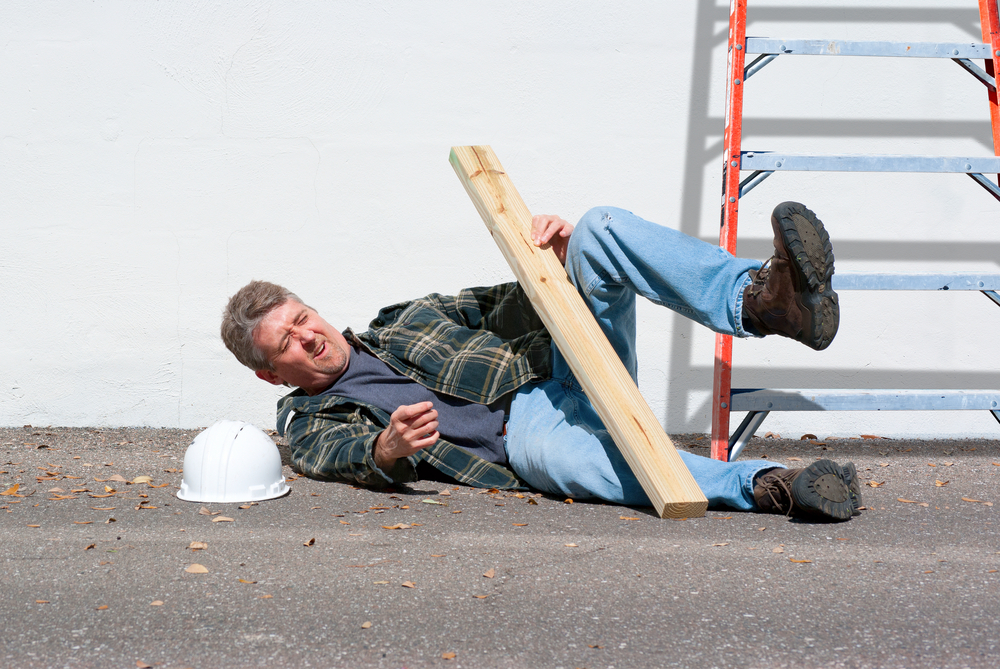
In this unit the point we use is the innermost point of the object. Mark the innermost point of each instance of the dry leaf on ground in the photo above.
(196, 569)
(628, 518)
(156, 603)
(311, 542)
(223, 519)
(197, 545)
(243, 580)
(397, 526)
(571, 545)
(490, 573)
(408, 584)
(799, 561)
(142, 479)
(874, 484)
(366, 624)
(940, 484)
(11, 490)
(448, 656)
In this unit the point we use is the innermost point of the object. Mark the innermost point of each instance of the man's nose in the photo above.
(305, 336)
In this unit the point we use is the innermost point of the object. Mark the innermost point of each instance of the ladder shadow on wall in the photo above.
(705, 147)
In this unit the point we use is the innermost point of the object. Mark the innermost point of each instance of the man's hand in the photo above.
(411, 428)
(553, 230)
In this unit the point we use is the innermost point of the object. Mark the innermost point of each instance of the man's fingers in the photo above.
(410, 411)
(543, 228)
(539, 228)
(421, 429)
(424, 442)
(419, 422)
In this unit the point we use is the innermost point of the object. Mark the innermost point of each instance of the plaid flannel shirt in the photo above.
(479, 346)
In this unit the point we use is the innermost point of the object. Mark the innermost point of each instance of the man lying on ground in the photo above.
(470, 388)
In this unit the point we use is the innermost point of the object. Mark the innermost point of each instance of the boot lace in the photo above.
(760, 277)
(777, 490)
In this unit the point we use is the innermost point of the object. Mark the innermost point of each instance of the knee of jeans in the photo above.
(591, 225)
(595, 220)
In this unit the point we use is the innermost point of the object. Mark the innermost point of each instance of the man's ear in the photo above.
(269, 376)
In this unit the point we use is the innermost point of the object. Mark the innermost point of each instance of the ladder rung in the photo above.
(771, 161)
(816, 47)
(923, 281)
(797, 399)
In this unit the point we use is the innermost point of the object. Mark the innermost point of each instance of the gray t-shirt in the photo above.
(475, 427)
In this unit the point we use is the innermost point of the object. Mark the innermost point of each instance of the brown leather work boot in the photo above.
(791, 294)
(818, 492)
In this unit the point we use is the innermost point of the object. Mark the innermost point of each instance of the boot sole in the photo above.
(851, 478)
(808, 245)
(820, 490)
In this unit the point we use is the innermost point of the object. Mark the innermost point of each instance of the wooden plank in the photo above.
(639, 436)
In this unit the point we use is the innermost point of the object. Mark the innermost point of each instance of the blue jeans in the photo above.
(555, 439)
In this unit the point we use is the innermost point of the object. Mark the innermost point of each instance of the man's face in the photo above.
(304, 349)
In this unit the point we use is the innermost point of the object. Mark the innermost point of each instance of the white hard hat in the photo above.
(232, 462)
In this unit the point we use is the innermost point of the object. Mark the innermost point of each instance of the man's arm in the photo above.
(335, 441)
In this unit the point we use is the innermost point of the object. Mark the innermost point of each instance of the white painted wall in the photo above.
(157, 155)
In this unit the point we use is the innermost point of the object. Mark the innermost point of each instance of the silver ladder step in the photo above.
(787, 162)
(816, 47)
(759, 402)
(922, 281)
(826, 399)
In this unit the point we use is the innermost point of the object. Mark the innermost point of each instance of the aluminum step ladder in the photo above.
(762, 164)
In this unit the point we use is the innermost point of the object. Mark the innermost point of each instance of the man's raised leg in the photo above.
(557, 442)
(614, 255)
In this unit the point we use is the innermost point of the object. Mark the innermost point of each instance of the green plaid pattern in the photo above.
(478, 345)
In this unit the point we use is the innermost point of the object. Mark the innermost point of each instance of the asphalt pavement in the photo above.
(97, 570)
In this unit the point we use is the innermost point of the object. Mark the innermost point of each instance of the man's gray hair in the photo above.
(246, 309)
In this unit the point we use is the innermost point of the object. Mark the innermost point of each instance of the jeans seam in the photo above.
(738, 309)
